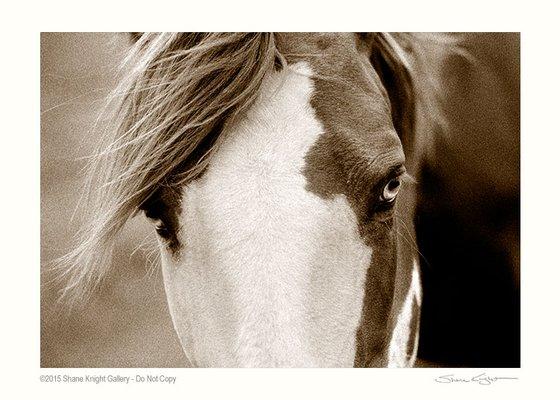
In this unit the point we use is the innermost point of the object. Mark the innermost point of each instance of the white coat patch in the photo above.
(398, 348)
(269, 275)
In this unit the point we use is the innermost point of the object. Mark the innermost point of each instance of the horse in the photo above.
(277, 170)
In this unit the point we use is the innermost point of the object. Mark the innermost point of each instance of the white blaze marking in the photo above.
(270, 274)
(398, 356)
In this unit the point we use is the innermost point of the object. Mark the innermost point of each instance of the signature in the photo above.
(481, 379)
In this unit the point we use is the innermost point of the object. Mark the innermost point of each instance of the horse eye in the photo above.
(161, 229)
(390, 190)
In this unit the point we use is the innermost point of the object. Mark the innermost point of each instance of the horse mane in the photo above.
(178, 90)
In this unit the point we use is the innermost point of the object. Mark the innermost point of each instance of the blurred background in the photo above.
(469, 212)
(467, 224)
(127, 323)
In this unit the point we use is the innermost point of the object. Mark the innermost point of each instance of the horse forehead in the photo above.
(294, 43)
(329, 54)
(348, 93)
(352, 105)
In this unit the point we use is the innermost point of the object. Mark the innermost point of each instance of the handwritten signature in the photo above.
(481, 379)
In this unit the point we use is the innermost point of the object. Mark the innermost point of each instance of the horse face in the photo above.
(285, 251)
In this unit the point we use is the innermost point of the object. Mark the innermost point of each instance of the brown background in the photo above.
(127, 323)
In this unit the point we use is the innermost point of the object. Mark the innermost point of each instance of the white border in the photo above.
(19, 76)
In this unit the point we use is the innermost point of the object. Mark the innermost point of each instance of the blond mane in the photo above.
(178, 90)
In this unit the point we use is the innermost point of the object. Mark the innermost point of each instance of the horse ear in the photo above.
(389, 61)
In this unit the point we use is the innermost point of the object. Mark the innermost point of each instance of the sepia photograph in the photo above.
(280, 200)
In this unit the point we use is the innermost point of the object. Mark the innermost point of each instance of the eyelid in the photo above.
(398, 171)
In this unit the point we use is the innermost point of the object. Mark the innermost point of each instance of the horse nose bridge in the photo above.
(273, 355)
(273, 327)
